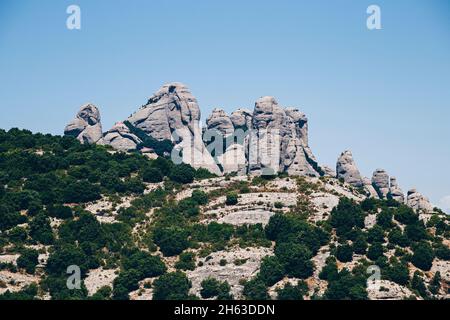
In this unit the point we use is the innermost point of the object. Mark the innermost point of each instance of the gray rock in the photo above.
(395, 191)
(173, 114)
(120, 138)
(86, 126)
(418, 202)
(347, 170)
(220, 121)
(242, 119)
(328, 171)
(368, 187)
(380, 181)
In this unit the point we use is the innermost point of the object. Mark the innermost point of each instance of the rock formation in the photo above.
(120, 138)
(272, 139)
(86, 126)
(347, 170)
(268, 140)
(395, 191)
(173, 114)
(380, 181)
(220, 121)
(418, 202)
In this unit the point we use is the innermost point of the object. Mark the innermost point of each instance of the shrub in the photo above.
(199, 197)
(255, 289)
(213, 288)
(290, 292)
(28, 260)
(296, 259)
(360, 245)
(231, 199)
(271, 270)
(171, 286)
(344, 253)
(147, 265)
(375, 251)
(171, 240)
(40, 229)
(152, 175)
(182, 173)
(186, 261)
(423, 256)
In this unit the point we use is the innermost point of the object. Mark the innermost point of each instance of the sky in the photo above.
(384, 94)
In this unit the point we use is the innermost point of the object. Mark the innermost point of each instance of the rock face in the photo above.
(219, 120)
(347, 170)
(380, 181)
(395, 191)
(86, 126)
(418, 202)
(173, 114)
(270, 140)
(120, 138)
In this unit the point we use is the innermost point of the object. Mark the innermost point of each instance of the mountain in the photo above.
(268, 140)
(133, 213)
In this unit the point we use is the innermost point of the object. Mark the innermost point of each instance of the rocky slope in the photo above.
(136, 225)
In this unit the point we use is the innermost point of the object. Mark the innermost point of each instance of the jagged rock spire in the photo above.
(86, 126)
(347, 170)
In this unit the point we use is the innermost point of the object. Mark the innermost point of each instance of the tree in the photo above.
(147, 265)
(9, 218)
(214, 288)
(199, 197)
(346, 286)
(186, 261)
(65, 256)
(418, 285)
(330, 271)
(423, 256)
(360, 245)
(171, 240)
(416, 231)
(406, 215)
(152, 175)
(271, 270)
(346, 215)
(255, 289)
(295, 258)
(171, 286)
(125, 282)
(344, 253)
(40, 229)
(231, 199)
(182, 173)
(28, 260)
(398, 272)
(375, 251)
(375, 234)
(290, 292)
(384, 219)
(396, 236)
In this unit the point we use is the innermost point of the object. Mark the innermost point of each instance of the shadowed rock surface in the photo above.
(86, 126)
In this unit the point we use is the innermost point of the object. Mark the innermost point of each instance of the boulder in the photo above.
(120, 138)
(418, 202)
(220, 121)
(172, 113)
(86, 126)
(347, 170)
(380, 181)
(395, 191)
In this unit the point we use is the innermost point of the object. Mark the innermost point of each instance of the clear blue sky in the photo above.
(383, 94)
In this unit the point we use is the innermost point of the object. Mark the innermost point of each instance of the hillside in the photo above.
(140, 227)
